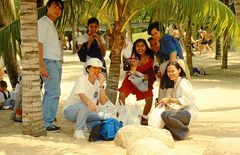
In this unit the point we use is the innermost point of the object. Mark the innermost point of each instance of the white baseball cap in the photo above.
(95, 62)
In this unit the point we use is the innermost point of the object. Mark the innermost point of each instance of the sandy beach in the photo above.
(217, 100)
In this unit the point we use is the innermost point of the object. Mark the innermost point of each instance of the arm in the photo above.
(173, 56)
(92, 106)
(42, 68)
(102, 94)
(91, 38)
(101, 44)
(184, 95)
(168, 100)
(170, 47)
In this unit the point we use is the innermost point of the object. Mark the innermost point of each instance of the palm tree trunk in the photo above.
(226, 45)
(237, 8)
(188, 46)
(118, 39)
(218, 49)
(73, 24)
(31, 98)
(225, 50)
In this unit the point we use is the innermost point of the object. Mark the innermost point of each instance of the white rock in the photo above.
(127, 135)
(148, 146)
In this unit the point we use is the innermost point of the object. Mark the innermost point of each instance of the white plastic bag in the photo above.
(134, 115)
(129, 114)
(109, 110)
(155, 119)
(122, 113)
(137, 78)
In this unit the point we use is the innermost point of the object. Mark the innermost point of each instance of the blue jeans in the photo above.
(81, 114)
(177, 121)
(52, 90)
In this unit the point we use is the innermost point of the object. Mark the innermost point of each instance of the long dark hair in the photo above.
(166, 82)
(148, 50)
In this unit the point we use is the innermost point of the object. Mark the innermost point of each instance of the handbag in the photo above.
(82, 53)
(137, 78)
(155, 119)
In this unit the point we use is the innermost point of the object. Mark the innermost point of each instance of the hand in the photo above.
(165, 102)
(97, 37)
(159, 75)
(146, 77)
(92, 106)
(91, 37)
(43, 71)
(134, 62)
(101, 78)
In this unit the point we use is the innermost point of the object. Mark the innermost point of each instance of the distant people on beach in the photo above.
(50, 66)
(87, 93)
(95, 42)
(204, 43)
(141, 63)
(180, 106)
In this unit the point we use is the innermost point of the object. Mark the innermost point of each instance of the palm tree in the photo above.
(9, 40)
(120, 13)
(31, 98)
(202, 12)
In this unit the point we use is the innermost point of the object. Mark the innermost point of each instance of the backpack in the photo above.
(82, 53)
(8, 101)
(105, 130)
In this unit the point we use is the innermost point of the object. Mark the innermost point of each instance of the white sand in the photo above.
(217, 99)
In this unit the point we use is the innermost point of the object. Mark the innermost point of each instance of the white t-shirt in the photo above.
(85, 37)
(83, 85)
(2, 98)
(48, 36)
(184, 93)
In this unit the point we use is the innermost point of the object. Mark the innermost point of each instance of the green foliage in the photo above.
(17, 5)
(9, 38)
(212, 14)
(142, 35)
(10, 35)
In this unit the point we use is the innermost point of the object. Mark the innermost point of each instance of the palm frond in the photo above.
(9, 36)
(212, 14)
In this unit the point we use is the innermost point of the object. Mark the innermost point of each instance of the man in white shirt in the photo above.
(50, 62)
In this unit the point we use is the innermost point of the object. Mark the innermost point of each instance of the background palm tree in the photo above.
(9, 40)
(118, 14)
(31, 98)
